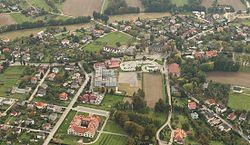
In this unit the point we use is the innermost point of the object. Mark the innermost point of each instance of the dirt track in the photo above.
(242, 79)
(6, 20)
(152, 86)
(81, 7)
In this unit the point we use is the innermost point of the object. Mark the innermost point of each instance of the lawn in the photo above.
(179, 3)
(111, 126)
(20, 18)
(107, 139)
(239, 101)
(109, 40)
(10, 78)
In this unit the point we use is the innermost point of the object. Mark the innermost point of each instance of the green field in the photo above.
(239, 101)
(20, 18)
(109, 40)
(179, 3)
(40, 4)
(111, 126)
(8, 79)
(106, 139)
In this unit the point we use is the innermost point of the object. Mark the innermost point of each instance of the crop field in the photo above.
(135, 3)
(237, 4)
(81, 7)
(6, 19)
(129, 82)
(152, 86)
(107, 139)
(234, 78)
(8, 79)
(110, 40)
(239, 101)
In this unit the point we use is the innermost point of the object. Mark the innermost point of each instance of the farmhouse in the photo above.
(84, 125)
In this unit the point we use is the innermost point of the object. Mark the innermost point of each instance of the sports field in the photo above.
(239, 101)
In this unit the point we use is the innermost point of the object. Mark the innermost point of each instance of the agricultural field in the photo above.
(135, 3)
(239, 101)
(10, 78)
(179, 3)
(81, 7)
(107, 139)
(6, 19)
(152, 86)
(110, 40)
(40, 4)
(129, 82)
(237, 4)
(234, 78)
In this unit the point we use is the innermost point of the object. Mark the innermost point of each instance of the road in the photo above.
(201, 33)
(67, 110)
(39, 84)
(25, 128)
(168, 122)
(91, 111)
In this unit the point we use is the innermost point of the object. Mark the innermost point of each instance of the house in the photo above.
(65, 42)
(231, 116)
(40, 105)
(74, 85)
(29, 122)
(220, 108)
(192, 105)
(55, 108)
(194, 115)
(209, 115)
(174, 69)
(33, 80)
(6, 50)
(224, 127)
(69, 67)
(55, 70)
(41, 92)
(88, 98)
(51, 76)
(63, 96)
(53, 116)
(210, 102)
(243, 117)
(179, 136)
(237, 89)
(84, 125)
(211, 54)
(46, 126)
(13, 113)
(113, 63)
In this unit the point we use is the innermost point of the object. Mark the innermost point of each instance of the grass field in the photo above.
(109, 40)
(234, 78)
(152, 86)
(179, 3)
(239, 101)
(19, 18)
(106, 139)
(237, 4)
(40, 4)
(111, 126)
(9, 79)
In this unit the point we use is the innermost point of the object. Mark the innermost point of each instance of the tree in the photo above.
(161, 106)
(138, 103)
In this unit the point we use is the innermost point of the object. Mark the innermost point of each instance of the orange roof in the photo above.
(211, 102)
(40, 104)
(211, 54)
(174, 68)
(179, 135)
(63, 96)
(192, 105)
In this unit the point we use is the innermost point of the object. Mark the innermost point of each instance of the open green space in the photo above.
(109, 40)
(11, 78)
(239, 101)
(111, 126)
(20, 18)
(40, 4)
(107, 139)
(179, 3)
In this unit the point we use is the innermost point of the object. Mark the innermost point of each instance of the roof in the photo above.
(174, 68)
(40, 104)
(211, 54)
(179, 135)
(63, 96)
(211, 102)
(88, 97)
(192, 105)
(231, 116)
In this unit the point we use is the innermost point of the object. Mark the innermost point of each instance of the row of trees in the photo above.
(120, 7)
(37, 24)
(99, 16)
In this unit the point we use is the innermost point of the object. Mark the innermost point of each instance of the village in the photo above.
(93, 83)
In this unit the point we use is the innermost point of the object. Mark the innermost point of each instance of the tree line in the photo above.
(40, 23)
(116, 7)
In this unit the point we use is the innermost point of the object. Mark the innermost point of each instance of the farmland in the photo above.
(6, 19)
(234, 78)
(10, 78)
(110, 40)
(239, 101)
(81, 7)
(237, 4)
(152, 86)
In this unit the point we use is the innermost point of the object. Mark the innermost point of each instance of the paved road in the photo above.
(167, 123)
(67, 110)
(201, 33)
(39, 84)
(91, 111)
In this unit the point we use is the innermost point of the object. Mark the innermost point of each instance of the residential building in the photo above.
(174, 69)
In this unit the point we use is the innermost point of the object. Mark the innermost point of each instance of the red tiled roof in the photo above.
(179, 135)
(211, 102)
(192, 105)
(63, 96)
(211, 54)
(87, 97)
(231, 116)
(174, 69)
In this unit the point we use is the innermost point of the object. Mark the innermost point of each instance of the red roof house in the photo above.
(210, 102)
(174, 69)
(113, 63)
(6, 50)
(179, 136)
(88, 98)
(63, 96)
(211, 54)
(40, 105)
(192, 105)
(231, 116)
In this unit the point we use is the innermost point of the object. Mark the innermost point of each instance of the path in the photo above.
(37, 87)
(67, 110)
(25, 128)
(112, 133)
